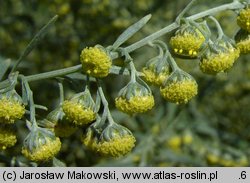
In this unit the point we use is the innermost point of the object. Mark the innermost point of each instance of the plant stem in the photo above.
(101, 93)
(133, 72)
(105, 103)
(219, 29)
(46, 75)
(52, 74)
(31, 102)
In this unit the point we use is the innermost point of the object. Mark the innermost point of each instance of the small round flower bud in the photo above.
(242, 39)
(134, 98)
(243, 19)
(7, 137)
(187, 41)
(80, 109)
(114, 141)
(41, 145)
(179, 88)
(174, 142)
(156, 71)
(218, 57)
(187, 138)
(62, 127)
(95, 62)
(213, 158)
(11, 107)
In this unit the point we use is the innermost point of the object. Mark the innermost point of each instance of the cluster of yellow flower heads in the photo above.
(242, 38)
(111, 142)
(216, 159)
(215, 57)
(114, 140)
(41, 145)
(80, 109)
(95, 62)
(11, 109)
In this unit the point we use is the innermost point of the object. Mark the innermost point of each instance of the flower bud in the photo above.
(174, 143)
(179, 88)
(41, 145)
(243, 19)
(11, 107)
(95, 61)
(115, 141)
(62, 127)
(156, 71)
(242, 39)
(7, 137)
(80, 109)
(187, 41)
(219, 57)
(134, 98)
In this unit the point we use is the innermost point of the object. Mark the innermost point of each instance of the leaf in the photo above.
(58, 163)
(4, 65)
(34, 42)
(130, 31)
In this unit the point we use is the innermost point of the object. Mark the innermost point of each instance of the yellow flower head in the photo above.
(80, 109)
(62, 127)
(219, 57)
(213, 158)
(7, 137)
(187, 139)
(116, 147)
(179, 88)
(243, 19)
(156, 70)
(41, 145)
(134, 98)
(187, 41)
(114, 141)
(242, 39)
(95, 62)
(174, 142)
(11, 107)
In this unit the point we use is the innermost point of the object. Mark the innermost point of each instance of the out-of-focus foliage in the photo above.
(212, 130)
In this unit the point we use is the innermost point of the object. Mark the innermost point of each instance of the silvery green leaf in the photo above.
(4, 65)
(34, 42)
(41, 107)
(130, 31)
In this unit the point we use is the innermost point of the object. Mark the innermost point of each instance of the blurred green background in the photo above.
(212, 130)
